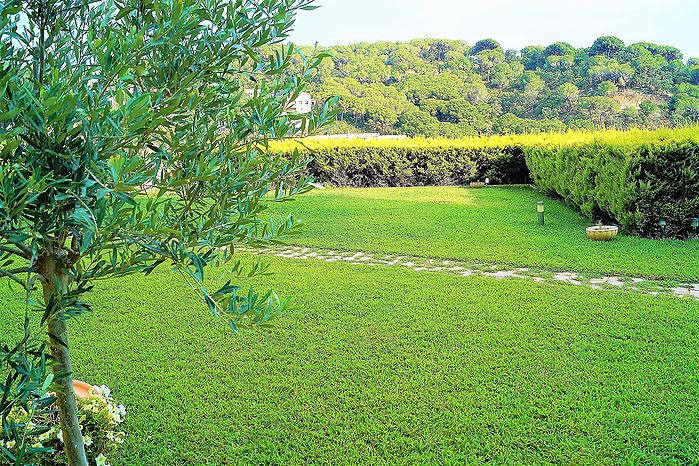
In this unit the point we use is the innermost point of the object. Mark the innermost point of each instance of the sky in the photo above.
(513, 23)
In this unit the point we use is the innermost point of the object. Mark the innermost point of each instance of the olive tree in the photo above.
(133, 134)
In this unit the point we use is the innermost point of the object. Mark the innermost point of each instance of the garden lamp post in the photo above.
(540, 211)
(694, 222)
(662, 224)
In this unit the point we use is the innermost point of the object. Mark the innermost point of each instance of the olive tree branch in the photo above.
(11, 274)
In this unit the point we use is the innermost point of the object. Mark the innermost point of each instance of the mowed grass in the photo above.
(390, 366)
(497, 224)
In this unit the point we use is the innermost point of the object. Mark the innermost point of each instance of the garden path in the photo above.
(496, 271)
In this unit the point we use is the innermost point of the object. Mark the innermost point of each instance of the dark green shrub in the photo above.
(415, 162)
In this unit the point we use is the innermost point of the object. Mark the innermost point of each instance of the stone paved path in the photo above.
(466, 269)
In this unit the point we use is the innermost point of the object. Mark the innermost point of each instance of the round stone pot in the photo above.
(602, 232)
(477, 184)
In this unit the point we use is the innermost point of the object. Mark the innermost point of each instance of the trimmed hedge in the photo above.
(413, 162)
(632, 178)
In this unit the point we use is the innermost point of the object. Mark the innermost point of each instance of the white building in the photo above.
(304, 103)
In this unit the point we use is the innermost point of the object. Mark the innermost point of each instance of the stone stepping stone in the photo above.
(496, 271)
(614, 281)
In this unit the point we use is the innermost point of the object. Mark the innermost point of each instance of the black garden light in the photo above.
(662, 224)
(694, 223)
(540, 211)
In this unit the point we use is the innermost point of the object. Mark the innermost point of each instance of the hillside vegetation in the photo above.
(432, 88)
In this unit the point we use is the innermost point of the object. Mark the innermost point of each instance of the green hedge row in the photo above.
(632, 178)
(414, 162)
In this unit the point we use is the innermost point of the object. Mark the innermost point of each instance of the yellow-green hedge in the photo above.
(634, 178)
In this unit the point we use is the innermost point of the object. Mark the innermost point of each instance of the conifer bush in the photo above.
(633, 179)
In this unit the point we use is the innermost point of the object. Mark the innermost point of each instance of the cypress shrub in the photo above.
(634, 179)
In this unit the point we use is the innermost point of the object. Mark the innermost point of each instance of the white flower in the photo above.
(37, 445)
(10, 444)
(115, 412)
(101, 460)
(122, 410)
(45, 436)
(88, 440)
(59, 435)
(104, 390)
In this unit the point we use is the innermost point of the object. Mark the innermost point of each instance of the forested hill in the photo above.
(447, 88)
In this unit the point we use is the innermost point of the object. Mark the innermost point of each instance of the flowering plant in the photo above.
(99, 415)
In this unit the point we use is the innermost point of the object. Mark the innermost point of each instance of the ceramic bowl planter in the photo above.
(602, 232)
(82, 389)
(477, 184)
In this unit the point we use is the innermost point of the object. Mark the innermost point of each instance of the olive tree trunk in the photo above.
(60, 350)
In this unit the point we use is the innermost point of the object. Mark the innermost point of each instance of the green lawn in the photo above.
(497, 224)
(393, 366)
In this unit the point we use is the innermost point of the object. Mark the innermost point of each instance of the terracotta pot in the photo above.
(602, 232)
(82, 389)
(477, 184)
